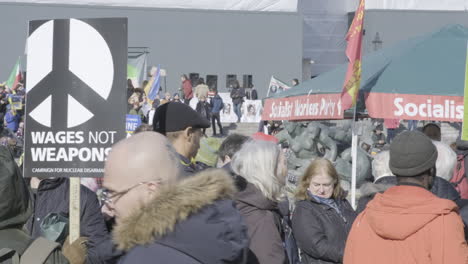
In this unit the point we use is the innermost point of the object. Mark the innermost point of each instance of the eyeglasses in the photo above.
(109, 196)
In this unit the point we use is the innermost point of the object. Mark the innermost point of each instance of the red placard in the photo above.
(415, 107)
(305, 107)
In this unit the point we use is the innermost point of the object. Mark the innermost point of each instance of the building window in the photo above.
(247, 81)
(230, 80)
(212, 82)
(194, 78)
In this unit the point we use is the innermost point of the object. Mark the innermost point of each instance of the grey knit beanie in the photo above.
(412, 153)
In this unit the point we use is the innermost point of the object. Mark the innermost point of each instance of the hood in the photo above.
(252, 196)
(51, 183)
(369, 188)
(403, 210)
(239, 181)
(15, 198)
(196, 211)
(387, 180)
(380, 185)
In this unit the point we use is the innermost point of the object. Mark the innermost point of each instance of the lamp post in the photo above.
(377, 42)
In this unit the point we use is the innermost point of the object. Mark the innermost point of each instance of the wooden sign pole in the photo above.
(74, 230)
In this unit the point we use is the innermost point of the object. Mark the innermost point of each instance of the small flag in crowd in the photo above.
(152, 88)
(276, 86)
(353, 52)
(15, 76)
(136, 67)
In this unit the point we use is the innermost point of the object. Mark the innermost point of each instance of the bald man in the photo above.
(161, 218)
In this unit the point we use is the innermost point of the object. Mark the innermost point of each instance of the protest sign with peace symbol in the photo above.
(75, 104)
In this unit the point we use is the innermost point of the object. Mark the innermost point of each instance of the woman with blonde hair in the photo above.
(322, 217)
(262, 167)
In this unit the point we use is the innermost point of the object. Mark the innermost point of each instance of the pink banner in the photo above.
(305, 107)
(415, 107)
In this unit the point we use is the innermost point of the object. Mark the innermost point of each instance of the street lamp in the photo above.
(377, 42)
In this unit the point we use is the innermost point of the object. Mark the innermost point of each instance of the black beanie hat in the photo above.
(412, 153)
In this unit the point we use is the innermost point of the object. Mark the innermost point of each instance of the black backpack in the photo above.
(289, 242)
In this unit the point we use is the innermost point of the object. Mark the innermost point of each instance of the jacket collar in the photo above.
(252, 196)
(48, 184)
(410, 184)
(173, 204)
(184, 160)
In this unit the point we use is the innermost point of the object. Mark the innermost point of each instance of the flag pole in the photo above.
(352, 83)
(464, 130)
(354, 144)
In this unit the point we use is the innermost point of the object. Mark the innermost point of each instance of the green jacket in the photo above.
(19, 241)
(16, 208)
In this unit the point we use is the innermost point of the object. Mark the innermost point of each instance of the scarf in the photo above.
(327, 201)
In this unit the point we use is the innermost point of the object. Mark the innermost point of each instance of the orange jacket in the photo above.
(407, 224)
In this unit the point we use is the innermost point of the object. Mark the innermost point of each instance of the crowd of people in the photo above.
(12, 114)
(209, 103)
(158, 204)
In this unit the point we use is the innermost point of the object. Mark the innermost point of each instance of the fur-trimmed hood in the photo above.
(370, 189)
(193, 211)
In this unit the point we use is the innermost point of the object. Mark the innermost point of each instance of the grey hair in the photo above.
(446, 160)
(258, 162)
(381, 165)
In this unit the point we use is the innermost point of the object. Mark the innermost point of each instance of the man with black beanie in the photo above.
(407, 223)
(183, 128)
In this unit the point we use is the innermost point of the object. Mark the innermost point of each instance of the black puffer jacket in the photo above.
(237, 95)
(16, 208)
(444, 189)
(320, 231)
(369, 189)
(52, 196)
(192, 222)
(464, 216)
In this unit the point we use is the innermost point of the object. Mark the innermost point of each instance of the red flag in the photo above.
(353, 52)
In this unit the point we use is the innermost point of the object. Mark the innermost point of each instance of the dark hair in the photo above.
(365, 146)
(231, 145)
(432, 130)
(417, 178)
(139, 90)
(130, 84)
(201, 81)
(143, 128)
